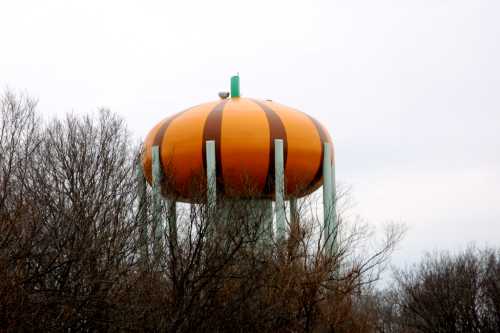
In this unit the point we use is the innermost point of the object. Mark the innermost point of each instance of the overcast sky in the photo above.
(409, 89)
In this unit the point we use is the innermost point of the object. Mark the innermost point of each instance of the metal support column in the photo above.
(211, 174)
(172, 222)
(329, 213)
(211, 181)
(263, 215)
(334, 224)
(157, 227)
(294, 217)
(142, 214)
(280, 189)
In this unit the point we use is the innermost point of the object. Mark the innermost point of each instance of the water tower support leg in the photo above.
(263, 212)
(334, 211)
(157, 200)
(211, 180)
(280, 189)
(172, 222)
(268, 220)
(142, 213)
(329, 213)
(294, 216)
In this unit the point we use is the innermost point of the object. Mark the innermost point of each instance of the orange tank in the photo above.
(244, 131)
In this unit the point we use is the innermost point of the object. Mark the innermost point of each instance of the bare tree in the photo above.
(82, 249)
(449, 293)
(19, 137)
(67, 203)
(225, 273)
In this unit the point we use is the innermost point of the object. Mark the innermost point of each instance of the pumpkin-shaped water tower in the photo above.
(241, 148)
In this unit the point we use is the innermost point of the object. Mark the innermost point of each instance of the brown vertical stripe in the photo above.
(163, 129)
(212, 131)
(276, 131)
(324, 138)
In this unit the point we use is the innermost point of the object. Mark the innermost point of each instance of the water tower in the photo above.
(235, 144)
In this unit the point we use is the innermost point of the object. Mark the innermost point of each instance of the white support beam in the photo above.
(279, 182)
(142, 214)
(211, 186)
(294, 213)
(294, 218)
(329, 212)
(172, 222)
(211, 175)
(157, 200)
(334, 225)
(263, 215)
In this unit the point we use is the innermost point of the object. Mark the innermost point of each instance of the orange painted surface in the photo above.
(181, 148)
(304, 147)
(245, 145)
